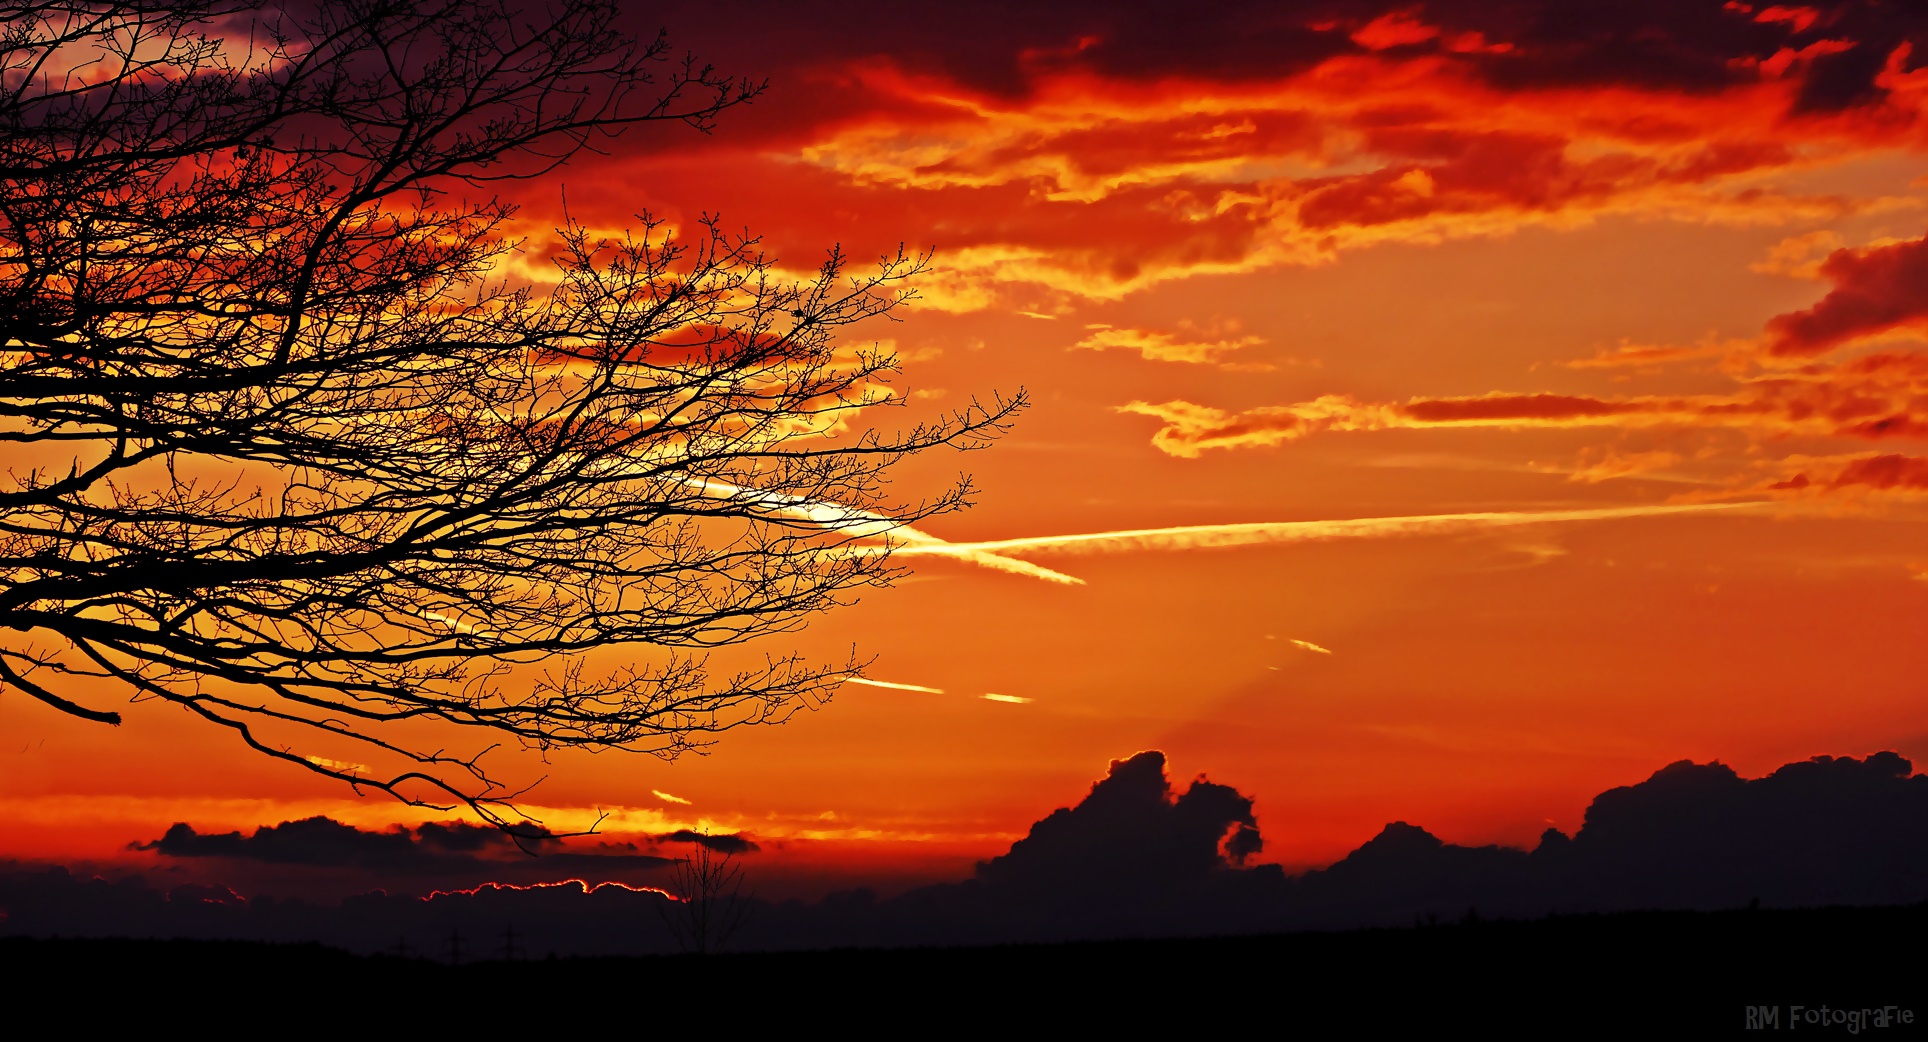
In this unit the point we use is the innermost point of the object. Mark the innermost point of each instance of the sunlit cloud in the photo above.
(1887, 474)
(1013, 699)
(1127, 184)
(1309, 646)
(1799, 256)
(342, 766)
(1868, 397)
(1654, 356)
(1848, 367)
(667, 798)
(1158, 346)
(894, 687)
(1611, 465)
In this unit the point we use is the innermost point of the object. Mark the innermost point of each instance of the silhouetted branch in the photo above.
(295, 454)
(707, 903)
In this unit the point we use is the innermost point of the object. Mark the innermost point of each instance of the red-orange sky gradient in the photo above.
(1636, 292)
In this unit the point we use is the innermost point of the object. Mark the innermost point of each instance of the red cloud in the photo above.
(1525, 407)
(1395, 29)
(1092, 151)
(1801, 18)
(1875, 397)
(1875, 290)
(1885, 472)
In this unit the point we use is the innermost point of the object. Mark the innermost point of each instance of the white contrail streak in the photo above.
(894, 687)
(1309, 646)
(864, 524)
(1013, 699)
(1204, 537)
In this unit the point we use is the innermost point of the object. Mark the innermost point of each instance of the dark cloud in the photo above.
(823, 69)
(1130, 835)
(470, 838)
(1889, 471)
(1002, 47)
(316, 841)
(433, 848)
(1875, 289)
(724, 844)
(1825, 830)
(1513, 407)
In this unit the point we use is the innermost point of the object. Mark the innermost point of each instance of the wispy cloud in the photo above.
(1013, 699)
(894, 687)
(667, 798)
(1309, 646)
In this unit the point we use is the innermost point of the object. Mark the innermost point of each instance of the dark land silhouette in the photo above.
(1133, 858)
(1630, 974)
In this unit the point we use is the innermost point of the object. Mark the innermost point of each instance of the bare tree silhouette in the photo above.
(293, 448)
(707, 903)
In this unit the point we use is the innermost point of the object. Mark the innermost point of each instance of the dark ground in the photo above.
(1656, 974)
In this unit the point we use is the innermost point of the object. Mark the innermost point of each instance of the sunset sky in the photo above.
(1441, 412)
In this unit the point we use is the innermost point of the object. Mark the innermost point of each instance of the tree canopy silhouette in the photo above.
(292, 445)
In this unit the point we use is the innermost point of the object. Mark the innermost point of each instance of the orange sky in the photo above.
(1426, 263)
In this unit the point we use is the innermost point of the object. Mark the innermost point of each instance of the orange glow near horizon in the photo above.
(1409, 443)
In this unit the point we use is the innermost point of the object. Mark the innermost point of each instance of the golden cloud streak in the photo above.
(894, 687)
(1211, 537)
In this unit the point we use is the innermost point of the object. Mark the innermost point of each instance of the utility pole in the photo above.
(508, 944)
(455, 947)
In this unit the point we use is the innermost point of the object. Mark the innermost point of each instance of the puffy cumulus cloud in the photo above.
(1131, 833)
(1690, 836)
(1863, 823)
(1876, 289)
